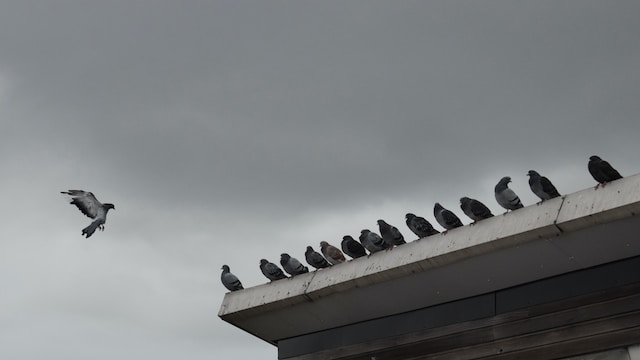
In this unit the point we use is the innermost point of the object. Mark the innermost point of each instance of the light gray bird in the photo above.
(506, 197)
(446, 218)
(332, 253)
(372, 241)
(420, 226)
(474, 209)
(352, 248)
(315, 259)
(230, 281)
(390, 234)
(541, 186)
(602, 171)
(90, 206)
(291, 265)
(271, 270)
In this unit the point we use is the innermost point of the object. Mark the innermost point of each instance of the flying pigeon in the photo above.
(602, 171)
(541, 186)
(474, 209)
(271, 270)
(291, 265)
(332, 253)
(390, 234)
(446, 218)
(90, 206)
(505, 196)
(372, 241)
(229, 280)
(315, 259)
(420, 226)
(352, 248)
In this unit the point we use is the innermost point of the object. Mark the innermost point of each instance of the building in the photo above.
(556, 280)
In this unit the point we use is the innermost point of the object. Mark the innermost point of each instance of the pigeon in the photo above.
(446, 218)
(229, 280)
(390, 234)
(271, 270)
(541, 186)
(352, 248)
(90, 206)
(332, 253)
(291, 265)
(474, 209)
(315, 259)
(602, 171)
(372, 241)
(505, 196)
(420, 226)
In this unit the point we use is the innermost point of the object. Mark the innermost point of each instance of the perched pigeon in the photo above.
(446, 218)
(90, 206)
(315, 259)
(372, 241)
(505, 196)
(352, 248)
(474, 209)
(229, 280)
(332, 253)
(541, 186)
(390, 234)
(420, 226)
(291, 265)
(602, 171)
(271, 270)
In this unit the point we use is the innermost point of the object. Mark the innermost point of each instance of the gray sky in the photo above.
(229, 131)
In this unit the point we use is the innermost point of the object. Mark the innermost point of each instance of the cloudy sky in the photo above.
(229, 131)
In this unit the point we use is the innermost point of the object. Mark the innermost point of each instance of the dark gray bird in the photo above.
(474, 209)
(541, 186)
(315, 259)
(390, 234)
(90, 206)
(229, 280)
(420, 226)
(291, 265)
(602, 171)
(271, 270)
(372, 241)
(505, 196)
(352, 248)
(446, 218)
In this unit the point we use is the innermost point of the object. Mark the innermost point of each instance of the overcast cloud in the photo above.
(229, 131)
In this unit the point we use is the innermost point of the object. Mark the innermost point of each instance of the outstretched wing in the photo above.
(85, 201)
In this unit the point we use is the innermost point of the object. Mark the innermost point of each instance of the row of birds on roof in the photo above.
(390, 236)
(369, 242)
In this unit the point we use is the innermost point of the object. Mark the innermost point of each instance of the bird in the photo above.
(315, 259)
(474, 209)
(352, 248)
(230, 281)
(505, 196)
(446, 218)
(602, 171)
(372, 241)
(420, 226)
(390, 234)
(541, 186)
(291, 265)
(332, 253)
(271, 270)
(90, 206)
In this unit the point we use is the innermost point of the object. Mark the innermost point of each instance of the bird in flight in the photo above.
(90, 206)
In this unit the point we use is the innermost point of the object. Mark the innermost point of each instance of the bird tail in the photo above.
(89, 230)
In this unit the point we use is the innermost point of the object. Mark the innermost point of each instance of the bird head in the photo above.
(323, 244)
(225, 267)
(595, 158)
(464, 199)
(409, 216)
(109, 206)
(532, 173)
